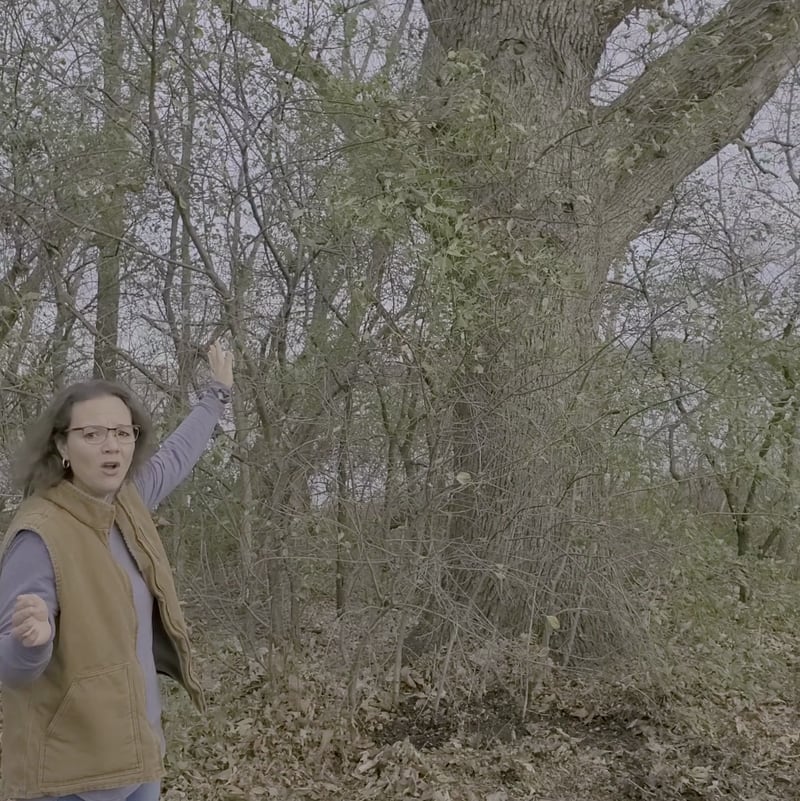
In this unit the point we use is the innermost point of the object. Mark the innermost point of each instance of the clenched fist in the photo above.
(30, 621)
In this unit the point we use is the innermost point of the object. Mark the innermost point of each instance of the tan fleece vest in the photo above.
(82, 725)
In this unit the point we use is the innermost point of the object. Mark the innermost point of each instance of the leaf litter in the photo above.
(290, 735)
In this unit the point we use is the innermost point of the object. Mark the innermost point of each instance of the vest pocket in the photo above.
(94, 732)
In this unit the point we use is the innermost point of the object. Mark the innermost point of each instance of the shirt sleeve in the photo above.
(26, 569)
(180, 451)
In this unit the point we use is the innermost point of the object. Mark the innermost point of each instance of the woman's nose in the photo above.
(111, 443)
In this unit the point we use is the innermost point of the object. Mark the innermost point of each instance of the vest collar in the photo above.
(95, 513)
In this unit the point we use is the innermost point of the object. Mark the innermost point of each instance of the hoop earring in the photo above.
(65, 463)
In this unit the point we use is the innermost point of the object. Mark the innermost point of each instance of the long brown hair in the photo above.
(38, 465)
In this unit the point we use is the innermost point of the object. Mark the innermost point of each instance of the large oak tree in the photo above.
(578, 180)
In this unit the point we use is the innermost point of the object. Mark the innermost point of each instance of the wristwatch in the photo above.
(222, 392)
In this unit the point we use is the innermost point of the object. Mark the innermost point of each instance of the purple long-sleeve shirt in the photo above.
(26, 569)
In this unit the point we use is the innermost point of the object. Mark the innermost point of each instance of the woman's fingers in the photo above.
(29, 606)
(30, 620)
(32, 633)
(221, 363)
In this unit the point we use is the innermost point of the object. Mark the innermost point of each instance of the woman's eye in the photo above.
(123, 435)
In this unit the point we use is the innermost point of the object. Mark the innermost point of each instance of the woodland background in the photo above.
(505, 506)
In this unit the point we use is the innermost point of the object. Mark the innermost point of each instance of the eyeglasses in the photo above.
(97, 435)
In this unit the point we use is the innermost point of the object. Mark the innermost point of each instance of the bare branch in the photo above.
(65, 297)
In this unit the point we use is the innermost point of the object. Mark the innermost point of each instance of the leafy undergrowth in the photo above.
(709, 712)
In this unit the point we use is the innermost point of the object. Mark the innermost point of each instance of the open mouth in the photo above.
(110, 467)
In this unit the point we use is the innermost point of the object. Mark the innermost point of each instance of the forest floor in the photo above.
(705, 708)
(686, 737)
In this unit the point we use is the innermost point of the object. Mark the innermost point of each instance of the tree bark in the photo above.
(111, 227)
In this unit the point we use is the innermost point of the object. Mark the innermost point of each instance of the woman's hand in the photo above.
(30, 621)
(221, 363)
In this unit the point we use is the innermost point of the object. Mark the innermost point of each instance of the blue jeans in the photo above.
(147, 792)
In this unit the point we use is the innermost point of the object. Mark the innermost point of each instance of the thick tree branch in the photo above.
(697, 98)
(613, 12)
(554, 45)
(256, 25)
(294, 59)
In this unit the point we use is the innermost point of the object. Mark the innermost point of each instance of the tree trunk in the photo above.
(527, 450)
(180, 320)
(554, 186)
(111, 219)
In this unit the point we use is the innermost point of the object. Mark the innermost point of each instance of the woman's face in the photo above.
(99, 459)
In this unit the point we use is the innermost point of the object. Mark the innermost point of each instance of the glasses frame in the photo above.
(136, 431)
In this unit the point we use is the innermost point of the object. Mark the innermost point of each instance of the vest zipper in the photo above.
(127, 581)
(179, 639)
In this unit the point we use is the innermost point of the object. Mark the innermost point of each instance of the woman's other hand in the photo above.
(221, 363)
(30, 621)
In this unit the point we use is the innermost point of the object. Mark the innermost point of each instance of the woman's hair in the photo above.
(38, 465)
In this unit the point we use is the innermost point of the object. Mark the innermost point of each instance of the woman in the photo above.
(88, 610)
